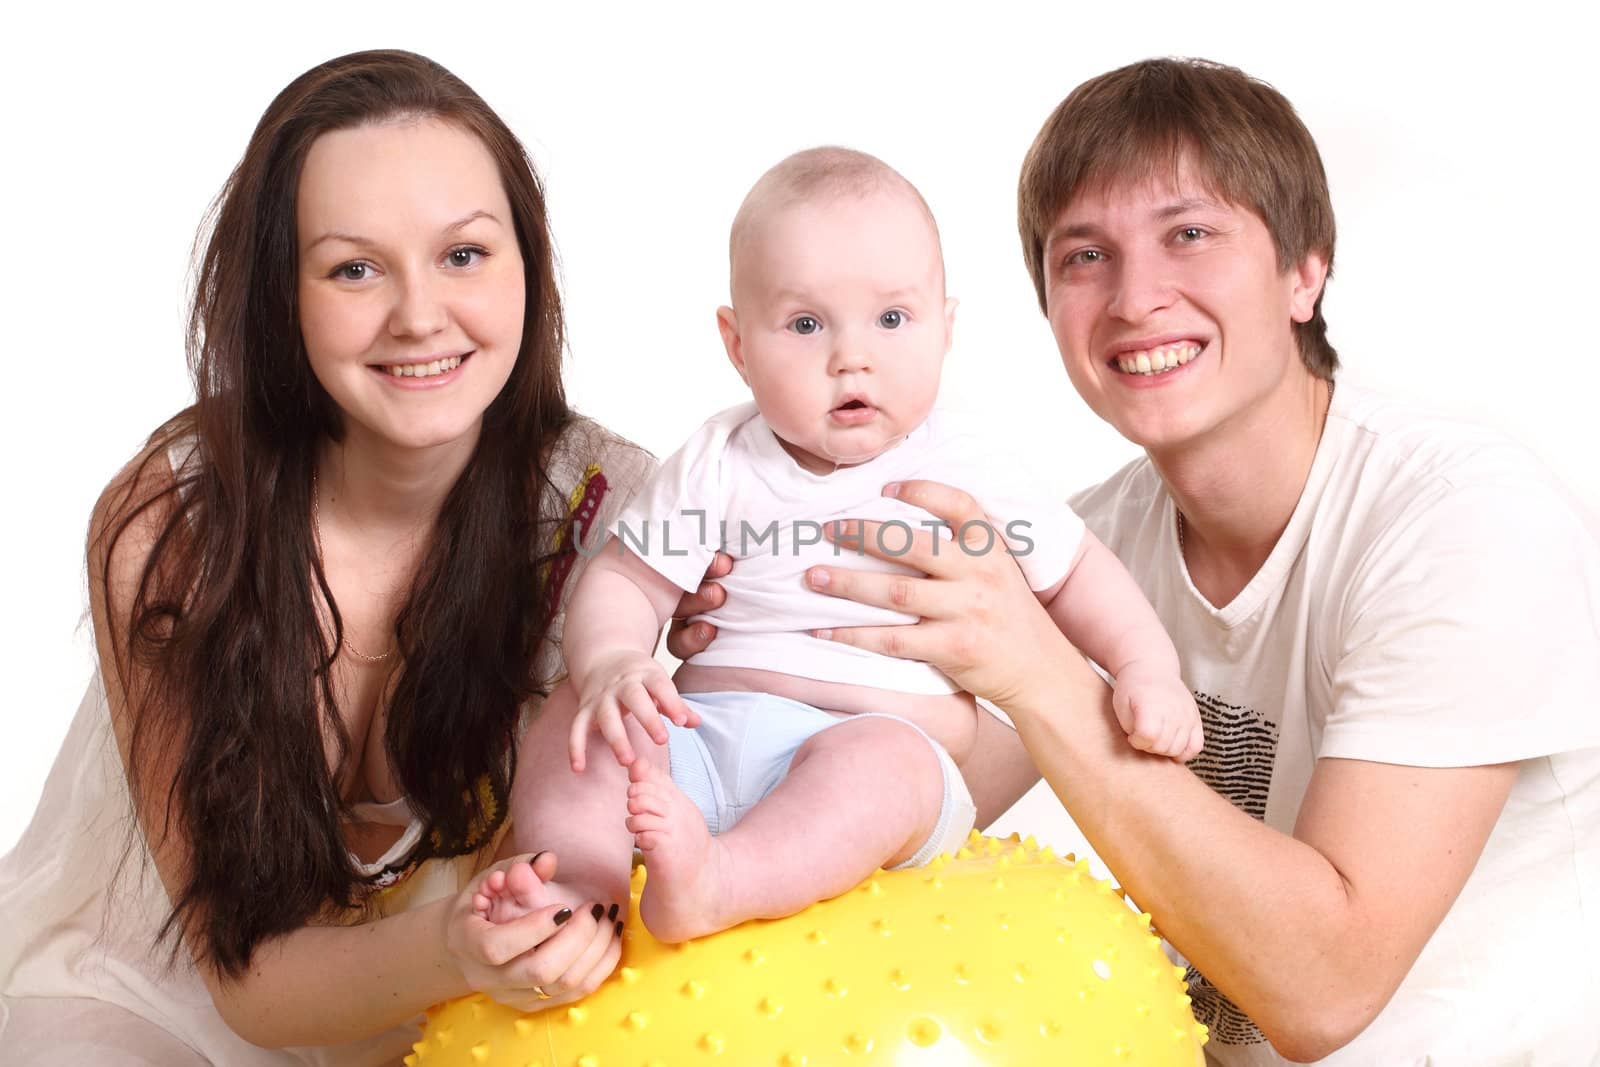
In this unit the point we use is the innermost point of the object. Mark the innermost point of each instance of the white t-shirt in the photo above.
(732, 486)
(1434, 601)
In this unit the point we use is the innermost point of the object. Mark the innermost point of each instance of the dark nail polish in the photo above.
(597, 911)
(563, 915)
(612, 913)
(619, 927)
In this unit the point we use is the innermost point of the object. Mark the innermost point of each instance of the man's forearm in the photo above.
(1264, 916)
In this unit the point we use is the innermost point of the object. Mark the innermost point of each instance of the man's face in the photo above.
(1169, 309)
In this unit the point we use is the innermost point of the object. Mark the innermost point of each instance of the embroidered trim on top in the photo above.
(583, 508)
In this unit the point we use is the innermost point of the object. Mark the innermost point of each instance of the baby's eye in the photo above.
(891, 320)
(805, 324)
(465, 256)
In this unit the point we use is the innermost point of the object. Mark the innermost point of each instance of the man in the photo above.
(1390, 850)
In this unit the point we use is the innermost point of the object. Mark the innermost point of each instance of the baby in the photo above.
(797, 766)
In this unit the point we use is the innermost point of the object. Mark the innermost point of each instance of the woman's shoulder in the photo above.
(136, 505)
(586, 448)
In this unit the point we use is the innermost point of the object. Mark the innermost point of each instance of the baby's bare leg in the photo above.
(858, 796)
(579, 817)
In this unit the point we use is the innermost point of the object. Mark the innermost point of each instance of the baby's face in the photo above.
(840, 324)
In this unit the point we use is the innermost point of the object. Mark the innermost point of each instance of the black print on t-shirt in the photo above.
(1237, 762)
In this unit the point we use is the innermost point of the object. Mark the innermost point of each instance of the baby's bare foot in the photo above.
(510, 894)
(685, 888)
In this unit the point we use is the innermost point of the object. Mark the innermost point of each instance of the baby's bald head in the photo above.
(825, 173)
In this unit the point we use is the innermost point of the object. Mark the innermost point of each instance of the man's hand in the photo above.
(684, 640)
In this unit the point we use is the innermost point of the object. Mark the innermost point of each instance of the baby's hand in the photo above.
(625, 682)
(1157, 712)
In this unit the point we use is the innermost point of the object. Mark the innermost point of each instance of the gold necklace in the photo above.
(316, 534)
(1179, 511)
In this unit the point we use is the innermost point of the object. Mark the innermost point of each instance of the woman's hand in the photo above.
(552, 955)
(684, 640)
(981, 624)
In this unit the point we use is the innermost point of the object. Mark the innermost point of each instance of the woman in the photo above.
(323, 599)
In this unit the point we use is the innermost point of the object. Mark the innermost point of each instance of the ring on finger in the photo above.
(541, 994)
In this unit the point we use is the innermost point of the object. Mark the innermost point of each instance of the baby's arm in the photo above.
(1100, 609)
(613, 621)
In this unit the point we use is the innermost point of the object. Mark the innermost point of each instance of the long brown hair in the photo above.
(1250, 146)
(225, 620)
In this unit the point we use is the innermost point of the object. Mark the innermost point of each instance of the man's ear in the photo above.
(1306, 281)
(728, 326)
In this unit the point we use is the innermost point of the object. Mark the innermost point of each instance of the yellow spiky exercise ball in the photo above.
(1004, 955)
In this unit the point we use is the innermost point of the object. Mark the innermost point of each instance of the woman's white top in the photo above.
(76, 927)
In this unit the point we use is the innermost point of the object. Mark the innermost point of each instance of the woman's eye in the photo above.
(465, 256)
(891, 320)
(351, 272)
(805, 324)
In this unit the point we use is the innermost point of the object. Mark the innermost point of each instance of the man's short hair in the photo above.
(1244, 139)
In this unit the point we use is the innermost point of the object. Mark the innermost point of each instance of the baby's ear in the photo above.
(950, 318)
(728, 326)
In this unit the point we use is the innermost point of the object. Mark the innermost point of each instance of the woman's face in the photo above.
(410, 280)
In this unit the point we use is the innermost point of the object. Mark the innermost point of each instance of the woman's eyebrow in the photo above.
(356, 239)
(338, 235)
(462, 222)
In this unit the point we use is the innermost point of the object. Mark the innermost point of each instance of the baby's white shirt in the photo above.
(733, 487)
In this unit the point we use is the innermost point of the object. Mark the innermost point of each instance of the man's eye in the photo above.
(805, 324)
(891, 320)
(1191, 233)
(1085, 256)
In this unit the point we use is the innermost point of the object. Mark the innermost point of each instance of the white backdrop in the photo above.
(1457, 152)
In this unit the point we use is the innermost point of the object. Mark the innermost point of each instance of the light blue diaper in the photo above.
(742, 749)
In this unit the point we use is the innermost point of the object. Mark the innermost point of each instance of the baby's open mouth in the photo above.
(854, 411)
